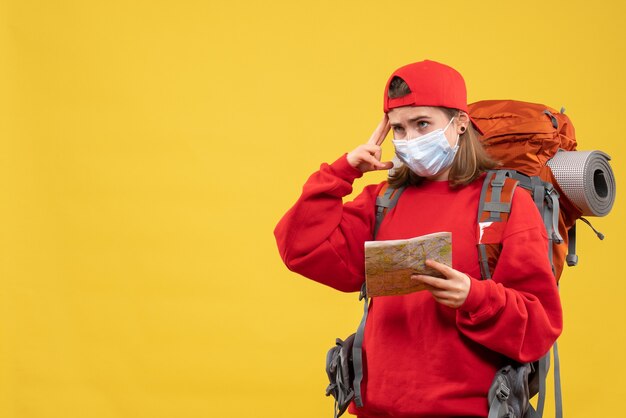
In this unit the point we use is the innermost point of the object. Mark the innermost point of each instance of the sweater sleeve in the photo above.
(518, 313)
(320, 237)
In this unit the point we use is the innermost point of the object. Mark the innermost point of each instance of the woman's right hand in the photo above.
(366, 157)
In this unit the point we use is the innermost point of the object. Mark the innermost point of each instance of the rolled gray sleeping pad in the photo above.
(587, 180)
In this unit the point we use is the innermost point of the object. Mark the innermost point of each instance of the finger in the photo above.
(435, 282)
(441, 268)
(381, 130)
(387, 165)
(372, 148)
(375, 151)
(373, 161)
(450, 300)
(447, 302)
(441, 296)
(385, 131)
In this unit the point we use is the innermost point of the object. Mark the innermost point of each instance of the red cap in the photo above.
(431, 84)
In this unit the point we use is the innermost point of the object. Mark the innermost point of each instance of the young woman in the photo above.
(435, 352)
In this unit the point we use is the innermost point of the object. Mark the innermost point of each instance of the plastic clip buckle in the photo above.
(503, 392)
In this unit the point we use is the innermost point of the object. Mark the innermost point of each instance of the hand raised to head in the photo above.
(366, 157)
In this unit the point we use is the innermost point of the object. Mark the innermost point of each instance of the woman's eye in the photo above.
(398, 129)
(422, 124)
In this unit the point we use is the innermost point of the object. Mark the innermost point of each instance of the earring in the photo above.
(462, 129)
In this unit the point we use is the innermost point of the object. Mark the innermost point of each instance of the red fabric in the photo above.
(431, 84)
(423, 359)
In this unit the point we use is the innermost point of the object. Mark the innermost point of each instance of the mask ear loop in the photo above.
(458, 137)
(449, 123)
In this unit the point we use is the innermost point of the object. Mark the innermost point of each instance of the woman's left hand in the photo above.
(451, 291)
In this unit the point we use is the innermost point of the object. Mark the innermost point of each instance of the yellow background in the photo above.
(148, 149)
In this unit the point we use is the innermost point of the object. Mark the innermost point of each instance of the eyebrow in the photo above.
(413, 120)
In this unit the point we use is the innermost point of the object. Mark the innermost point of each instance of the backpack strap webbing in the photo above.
(547, 201)
(558, 396)
(385, 201)
(543, 367)
(494, 208)
(357, 350)
(496, 196)
(572, 258)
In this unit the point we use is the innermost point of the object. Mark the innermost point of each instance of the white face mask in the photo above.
(427, 155)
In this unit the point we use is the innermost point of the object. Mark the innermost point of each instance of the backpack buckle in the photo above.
(499, 179)
(503, 392)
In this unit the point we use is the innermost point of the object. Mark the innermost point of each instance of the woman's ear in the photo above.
(462, 122)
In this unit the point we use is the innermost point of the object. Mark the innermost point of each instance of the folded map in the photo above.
(390, 264)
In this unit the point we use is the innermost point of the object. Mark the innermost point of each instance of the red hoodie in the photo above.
(421, 358)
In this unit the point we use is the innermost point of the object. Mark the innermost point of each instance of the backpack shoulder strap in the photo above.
(386, 200)
(357, 349)
(546, 199)
(493, 212)
(494, 208)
